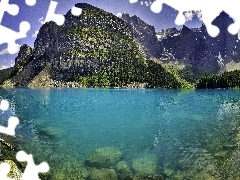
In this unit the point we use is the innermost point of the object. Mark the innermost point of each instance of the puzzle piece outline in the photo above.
(31, 171)
(12, 121)
(59, 19)
(208, 13)
(13, 36)
(4, 170)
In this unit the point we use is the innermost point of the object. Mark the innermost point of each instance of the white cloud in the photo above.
(3, 67)
(119, 15)
(4, 51)
(35, 33)
(189, 15)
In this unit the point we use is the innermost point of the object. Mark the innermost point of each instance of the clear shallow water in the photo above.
(190, 133)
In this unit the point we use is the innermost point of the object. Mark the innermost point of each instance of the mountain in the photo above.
(204, 54)
(144, 35)
(96, 49)
(99, 49)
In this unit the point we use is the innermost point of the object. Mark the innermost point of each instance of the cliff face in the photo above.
(24, 54)
(144, 35)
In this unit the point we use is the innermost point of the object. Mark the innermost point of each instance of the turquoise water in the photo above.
(190, 134)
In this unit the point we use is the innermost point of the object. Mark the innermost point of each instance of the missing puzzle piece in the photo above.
(59, 18)
(4, 105)
(31, 171)
(12, 124)
(12, 9)
(4, 170)
(12, 121)
(208, 13)
(9, 36)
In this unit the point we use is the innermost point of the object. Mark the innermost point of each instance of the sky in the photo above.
(35, 15)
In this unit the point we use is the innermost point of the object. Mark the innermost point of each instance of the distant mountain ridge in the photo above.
(98, 49)
(195, 47)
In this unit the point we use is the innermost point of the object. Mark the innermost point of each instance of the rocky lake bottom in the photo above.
(107, 134)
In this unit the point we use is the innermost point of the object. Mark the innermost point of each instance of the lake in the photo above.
(178, 134)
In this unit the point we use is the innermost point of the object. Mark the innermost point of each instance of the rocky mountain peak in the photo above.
(24, 54)
(186, 31)
(164, 33)
(145, 36)
(85, 6)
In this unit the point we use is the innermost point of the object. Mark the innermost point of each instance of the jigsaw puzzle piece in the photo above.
(76, 11)
(12, 9)
(207, 18)
(4, 105)
(208, 13)
(156, 6)
(9, 36)
(180, 19)
(4, 170)
(234, 28)
(12, 124)
(30, 2)
(133, 1)
(51, 16)
(31, 171)
(234, 13)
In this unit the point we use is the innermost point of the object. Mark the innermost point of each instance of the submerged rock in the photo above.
(14, 172)
(145, 165)
(168, 172)
(102, 174)
(123, 170)
(66, 170)
(104, 157)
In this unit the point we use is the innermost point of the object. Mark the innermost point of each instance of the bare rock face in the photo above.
(42, 79)
(168, 32)
(145, 36)
(24, 55)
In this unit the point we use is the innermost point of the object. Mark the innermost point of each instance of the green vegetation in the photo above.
(157, 76)
(152, 73)
(187, 73)
(108, 57)
(10, 72)
(5, 74)
(224, 80)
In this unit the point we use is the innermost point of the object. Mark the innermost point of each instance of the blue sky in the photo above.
(35, 14)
